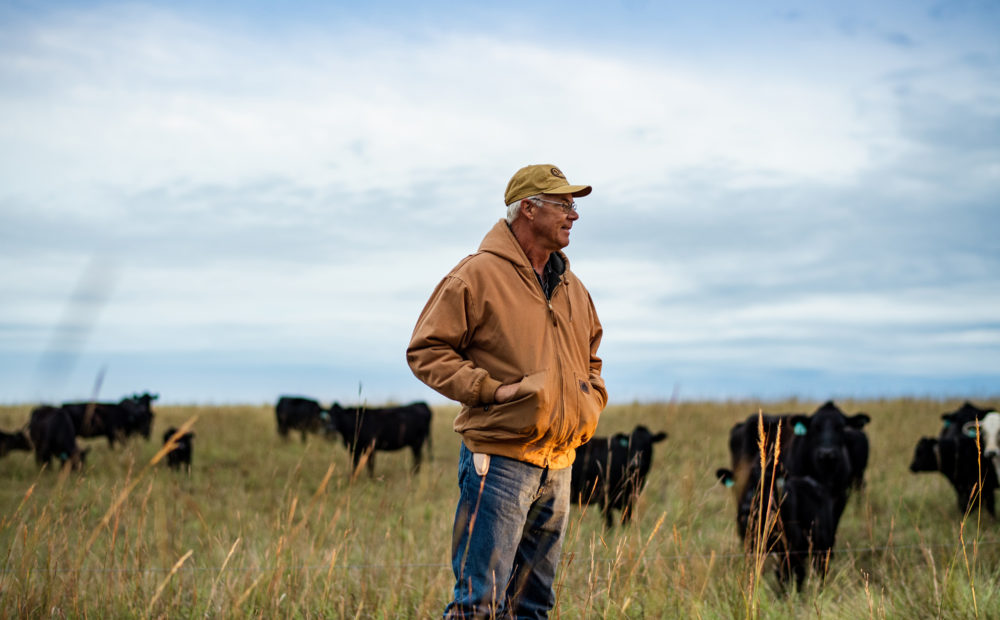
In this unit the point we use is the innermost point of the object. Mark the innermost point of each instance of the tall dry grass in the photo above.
(265, 528)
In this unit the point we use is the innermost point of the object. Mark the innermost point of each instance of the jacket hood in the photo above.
(500, 240)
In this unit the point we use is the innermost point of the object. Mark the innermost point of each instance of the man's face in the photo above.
(553, 220)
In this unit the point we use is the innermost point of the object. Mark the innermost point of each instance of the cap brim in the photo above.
(577, 191)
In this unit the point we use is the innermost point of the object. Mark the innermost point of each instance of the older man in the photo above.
(512, 334)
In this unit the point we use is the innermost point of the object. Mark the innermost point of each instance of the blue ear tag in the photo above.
(971, 432)
(947, 423)
(729, 483)
(623, 442)
(800, 428)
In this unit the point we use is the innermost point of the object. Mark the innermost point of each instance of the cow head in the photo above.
(926, 456)
(17, 440)
(953, 423)
(823, 438)
(640, 449)
(987, 430)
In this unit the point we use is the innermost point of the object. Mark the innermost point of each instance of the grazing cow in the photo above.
(611, 471)
(53, 435)
(180, 454)
(14, 441)
(790, 517)
(116, 421)
(960, 460)
(295, 413)
(830, 448)
(365, 430)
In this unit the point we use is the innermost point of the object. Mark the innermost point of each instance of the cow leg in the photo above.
(356, 459)
(417, 456)
(303, 431)
(965, 500)
(988, 499)
(799, 567)
(371, 461)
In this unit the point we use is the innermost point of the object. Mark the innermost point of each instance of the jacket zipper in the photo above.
(560, 436)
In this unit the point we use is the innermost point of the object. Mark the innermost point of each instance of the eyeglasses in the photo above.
(566, 208)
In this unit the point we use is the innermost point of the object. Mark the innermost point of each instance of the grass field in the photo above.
(266, 528)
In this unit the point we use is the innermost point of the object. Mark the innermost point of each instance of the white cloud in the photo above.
(303, 192)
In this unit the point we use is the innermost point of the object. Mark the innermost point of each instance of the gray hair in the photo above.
(514, 208)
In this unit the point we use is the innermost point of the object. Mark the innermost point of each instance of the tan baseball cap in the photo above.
(541, 179)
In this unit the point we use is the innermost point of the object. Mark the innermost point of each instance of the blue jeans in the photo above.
(507, 538)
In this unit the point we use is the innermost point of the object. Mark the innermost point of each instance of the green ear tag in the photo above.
(623, 442)
(800, 428)
(971, 432)
(947, 423)
(729, 483)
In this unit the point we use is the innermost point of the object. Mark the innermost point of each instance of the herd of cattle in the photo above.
(792, 473)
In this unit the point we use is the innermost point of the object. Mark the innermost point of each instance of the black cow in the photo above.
(611, 471)
(790, 517)
(296, 413)
(14, 441)
(139, 414)
(958, 457)
(53, 435)
(831, 448)
(365, 430)
(116, 421)
(180, 454)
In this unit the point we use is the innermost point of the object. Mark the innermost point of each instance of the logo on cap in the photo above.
(557, 173)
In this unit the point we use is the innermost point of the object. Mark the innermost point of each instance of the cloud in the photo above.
(290, 195)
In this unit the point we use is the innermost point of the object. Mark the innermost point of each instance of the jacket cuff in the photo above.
(488, 389)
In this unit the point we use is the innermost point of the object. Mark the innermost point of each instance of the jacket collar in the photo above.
(502, 242)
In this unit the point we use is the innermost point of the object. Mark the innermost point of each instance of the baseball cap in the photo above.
(541, 179)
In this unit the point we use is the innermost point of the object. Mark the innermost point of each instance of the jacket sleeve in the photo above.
(442, 333)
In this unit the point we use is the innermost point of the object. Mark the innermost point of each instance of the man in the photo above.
(512, 334)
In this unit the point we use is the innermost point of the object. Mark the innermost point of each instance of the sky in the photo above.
(226, 203)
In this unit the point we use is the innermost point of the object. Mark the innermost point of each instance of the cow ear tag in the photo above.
(729, 483)
(623, 442)
(800, 428)
(947, 423)
(971, 432)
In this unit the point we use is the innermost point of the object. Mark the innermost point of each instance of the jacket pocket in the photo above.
(525, 417)
(588, 407)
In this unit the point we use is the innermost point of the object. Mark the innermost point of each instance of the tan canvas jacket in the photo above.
(488, 323)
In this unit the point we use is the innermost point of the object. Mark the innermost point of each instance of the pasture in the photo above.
(270, 528)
